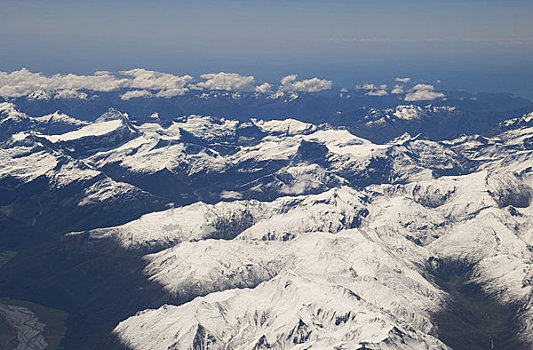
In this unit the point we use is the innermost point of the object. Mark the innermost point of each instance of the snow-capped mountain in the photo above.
(332, 286)
(204, 232)
(12, 121)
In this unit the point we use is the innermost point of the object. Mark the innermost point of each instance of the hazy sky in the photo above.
(473, 44)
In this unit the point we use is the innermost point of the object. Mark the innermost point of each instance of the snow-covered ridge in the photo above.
(328, 297)
(9, 112)
(290, 268)
(406, 113)
(282, 219)
(59, 117)
(95, 129)
(13, 121)
(375, 265)
(286, 234)
(106, 124)
(286, 126)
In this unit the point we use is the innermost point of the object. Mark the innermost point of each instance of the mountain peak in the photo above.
(112, 114)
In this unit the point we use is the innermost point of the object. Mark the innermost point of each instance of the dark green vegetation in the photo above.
(473, 319)
(53, 319)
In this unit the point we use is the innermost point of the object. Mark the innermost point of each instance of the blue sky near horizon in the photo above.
(472, 44)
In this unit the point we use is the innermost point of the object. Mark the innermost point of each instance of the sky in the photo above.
(471, 44)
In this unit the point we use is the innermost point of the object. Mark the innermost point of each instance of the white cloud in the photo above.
(379, 92)
(289, 83)
(71, 94)
(264, 88)
(402, 80)
(374, 90)
(288, 79)
(226, 81)
(369, 87)
(398, 90)
(138, 83)
(169, 84)
(102, 72)
(423, 87)
(128, 95)
(168, 93)
(423, 92)
(23, 82)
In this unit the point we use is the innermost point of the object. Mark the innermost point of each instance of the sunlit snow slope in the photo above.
(288, 235)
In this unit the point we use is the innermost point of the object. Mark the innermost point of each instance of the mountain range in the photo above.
(311, 220)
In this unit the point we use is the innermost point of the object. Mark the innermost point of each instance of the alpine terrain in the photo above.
(301, 216)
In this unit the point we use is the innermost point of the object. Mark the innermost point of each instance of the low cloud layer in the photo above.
(136, 83)
(143, 83)
(128, 95)
(423, 92)
(227, 81)
(23, 82)
(289, 83)
(264, 88)
(402, 80)
(374, 90)
(169, 85)
(379, 92)
(398, 90)
(38, 86)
